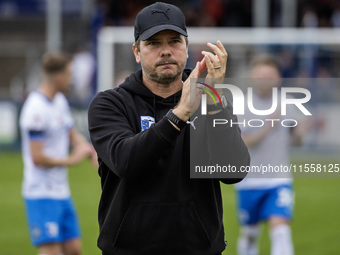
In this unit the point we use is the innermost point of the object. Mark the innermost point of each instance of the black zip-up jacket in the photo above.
(149, 203)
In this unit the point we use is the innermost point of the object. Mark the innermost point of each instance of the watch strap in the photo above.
(175, 120)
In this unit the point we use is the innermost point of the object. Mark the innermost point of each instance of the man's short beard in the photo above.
(165, 79)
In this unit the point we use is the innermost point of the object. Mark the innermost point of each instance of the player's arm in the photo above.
(76, 138)
(78, 153)
(256, 136)
(41, 159)
(79, 142)
(252, 139)
(297, 133)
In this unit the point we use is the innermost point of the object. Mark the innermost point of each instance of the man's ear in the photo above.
(136, 53)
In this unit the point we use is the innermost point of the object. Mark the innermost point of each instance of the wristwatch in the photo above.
(175, 120)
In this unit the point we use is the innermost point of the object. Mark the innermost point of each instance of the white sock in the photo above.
(247, 242)
(281, 240)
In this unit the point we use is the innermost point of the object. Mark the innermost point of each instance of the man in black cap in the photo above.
(140, 130)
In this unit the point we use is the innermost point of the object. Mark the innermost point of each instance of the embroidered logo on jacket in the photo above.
(146, 122)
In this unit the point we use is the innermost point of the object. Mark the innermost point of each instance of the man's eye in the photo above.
(175, 41)
(152, 43)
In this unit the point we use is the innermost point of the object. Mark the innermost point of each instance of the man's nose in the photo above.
(165, 50)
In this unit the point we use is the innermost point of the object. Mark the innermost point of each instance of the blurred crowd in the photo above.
(221, 13)
(225, 13)
(23, 36)
(87, 17)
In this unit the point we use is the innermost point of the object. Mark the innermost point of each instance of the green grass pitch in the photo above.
(316, 223)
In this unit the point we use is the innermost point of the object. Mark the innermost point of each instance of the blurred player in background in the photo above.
(267, 199)
(47, 134)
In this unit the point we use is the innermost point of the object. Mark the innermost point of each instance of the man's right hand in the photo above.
(191, 96)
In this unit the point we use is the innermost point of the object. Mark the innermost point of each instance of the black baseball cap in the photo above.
(158, 17)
